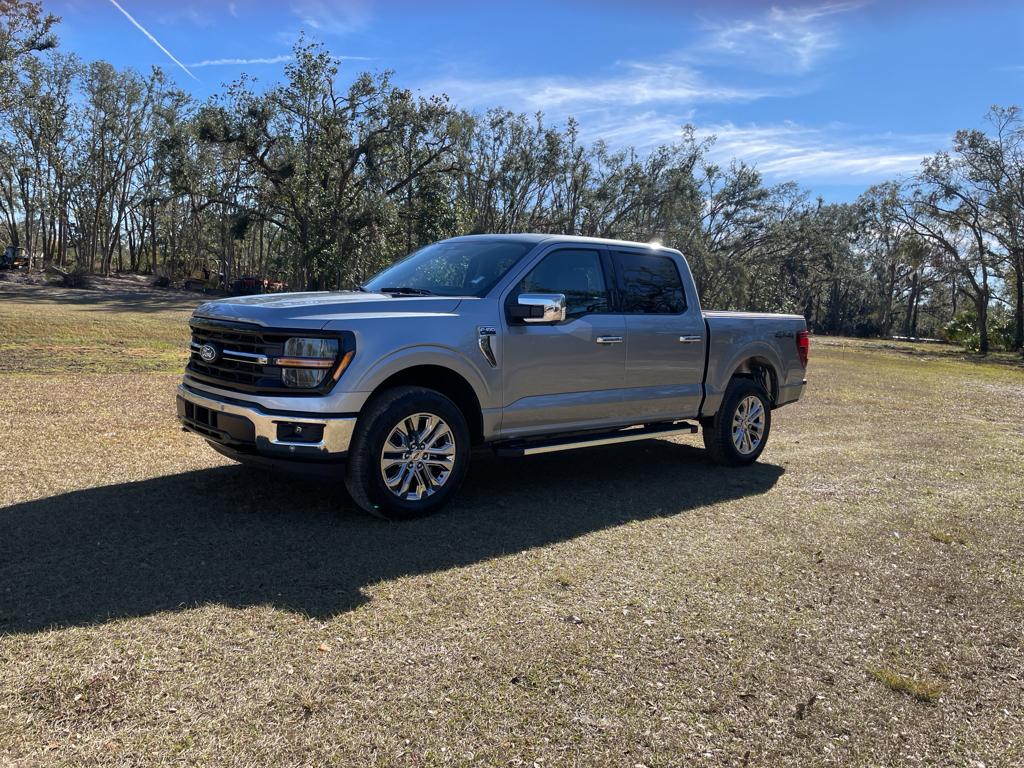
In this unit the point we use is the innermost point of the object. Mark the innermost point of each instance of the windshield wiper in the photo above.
(408, 291)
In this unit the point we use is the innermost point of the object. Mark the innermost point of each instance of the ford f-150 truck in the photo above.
(524, 343)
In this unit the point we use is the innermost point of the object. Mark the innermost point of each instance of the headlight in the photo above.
(306, 361)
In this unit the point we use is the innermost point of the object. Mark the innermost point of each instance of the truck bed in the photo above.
(738, 335)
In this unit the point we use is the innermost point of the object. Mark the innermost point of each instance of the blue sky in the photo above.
(836, 95)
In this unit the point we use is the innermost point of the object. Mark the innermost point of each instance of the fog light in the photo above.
(297, 432)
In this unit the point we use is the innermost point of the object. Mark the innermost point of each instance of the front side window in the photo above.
(458, 268)
(577, 273)
(651, 284)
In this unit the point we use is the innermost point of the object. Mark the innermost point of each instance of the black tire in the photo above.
(718, 430)
(386, 412)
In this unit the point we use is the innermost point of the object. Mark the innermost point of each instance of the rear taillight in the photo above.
(803, 346)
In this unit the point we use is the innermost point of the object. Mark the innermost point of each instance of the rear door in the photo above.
(567, 375)
(665, 337)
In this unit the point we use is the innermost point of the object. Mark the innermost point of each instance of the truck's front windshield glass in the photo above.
(459, 268)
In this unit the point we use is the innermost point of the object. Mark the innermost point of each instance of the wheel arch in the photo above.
(761, 370)
(449, 383)
(756, 360)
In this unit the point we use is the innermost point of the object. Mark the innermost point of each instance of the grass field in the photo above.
(856, 598)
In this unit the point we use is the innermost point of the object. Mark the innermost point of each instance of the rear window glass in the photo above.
(651, 284)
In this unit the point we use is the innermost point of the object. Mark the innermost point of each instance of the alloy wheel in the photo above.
(418, 456)
(748, 425)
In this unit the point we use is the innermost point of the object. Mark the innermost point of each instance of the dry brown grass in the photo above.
(621, 606)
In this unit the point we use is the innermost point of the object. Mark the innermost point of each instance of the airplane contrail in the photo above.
(155, 42)
(237, 62)
(281, 59)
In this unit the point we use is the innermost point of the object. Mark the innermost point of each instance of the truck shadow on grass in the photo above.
(237, 537)
(112, 300)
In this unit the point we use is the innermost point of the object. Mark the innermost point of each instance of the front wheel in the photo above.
(409, 454)
(737, 434)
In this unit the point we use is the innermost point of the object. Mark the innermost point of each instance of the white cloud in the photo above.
(823, 154)
(781, 40)
(791, 39)
(186, 14)
(332, 18)
(642, 130)
(781, 152)
(638, 84)
(645, 104)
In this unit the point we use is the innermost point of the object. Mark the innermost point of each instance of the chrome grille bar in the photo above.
(244, 357)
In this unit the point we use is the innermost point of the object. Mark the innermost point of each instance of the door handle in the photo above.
(690, 339)
(609, 339)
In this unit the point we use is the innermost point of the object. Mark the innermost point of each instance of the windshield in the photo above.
(455, 268)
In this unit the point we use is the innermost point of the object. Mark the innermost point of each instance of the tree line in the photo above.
(320, 181)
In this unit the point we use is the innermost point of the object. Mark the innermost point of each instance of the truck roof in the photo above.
(538, 237)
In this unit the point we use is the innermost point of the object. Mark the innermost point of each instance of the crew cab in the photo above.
(523, 343)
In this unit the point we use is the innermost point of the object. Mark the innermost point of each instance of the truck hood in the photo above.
(317, 310)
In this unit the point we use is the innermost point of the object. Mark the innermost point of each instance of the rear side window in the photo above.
(651, 284)
(575, 272)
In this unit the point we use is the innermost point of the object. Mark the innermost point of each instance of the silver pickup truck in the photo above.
(523, 343)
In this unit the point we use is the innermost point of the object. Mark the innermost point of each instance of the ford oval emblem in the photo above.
(208, 353)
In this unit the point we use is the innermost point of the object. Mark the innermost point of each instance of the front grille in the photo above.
(243, 371)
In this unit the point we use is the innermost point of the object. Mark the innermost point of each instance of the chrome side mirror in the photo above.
(539, 307)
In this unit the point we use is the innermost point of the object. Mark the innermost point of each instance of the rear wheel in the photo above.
(409, 454)
(738, 433)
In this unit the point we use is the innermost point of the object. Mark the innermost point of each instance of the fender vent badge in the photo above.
(484, 333)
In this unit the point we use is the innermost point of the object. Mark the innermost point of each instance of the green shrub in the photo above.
(964, 329)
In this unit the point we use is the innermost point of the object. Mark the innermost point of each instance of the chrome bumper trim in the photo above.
(337, 435)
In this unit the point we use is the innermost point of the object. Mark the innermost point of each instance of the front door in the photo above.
(569, 375)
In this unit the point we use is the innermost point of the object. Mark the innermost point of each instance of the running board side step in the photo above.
(532, 447)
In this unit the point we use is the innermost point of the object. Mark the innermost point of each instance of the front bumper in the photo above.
(244, 427)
